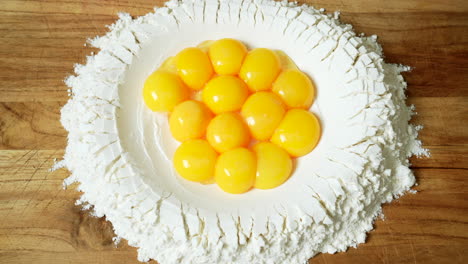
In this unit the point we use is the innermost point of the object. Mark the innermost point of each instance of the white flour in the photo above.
(120, 152)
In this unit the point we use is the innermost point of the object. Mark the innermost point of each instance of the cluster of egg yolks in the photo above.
(220, 97)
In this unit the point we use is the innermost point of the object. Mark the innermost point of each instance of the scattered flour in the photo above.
(119, 152)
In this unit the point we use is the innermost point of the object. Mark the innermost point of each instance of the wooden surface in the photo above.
(41, 40)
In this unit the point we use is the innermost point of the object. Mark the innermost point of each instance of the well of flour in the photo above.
(120, 152)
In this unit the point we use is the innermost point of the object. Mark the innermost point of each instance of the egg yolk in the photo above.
(295, 88)
(224, 93)
(235, 170)
(273, 165)
(169, 65)
(260, 68)
(195, 160)
(227, 56)
(162, 91)
(205, 45)
(227, 131)
(286, 62)
(298, 132)
(263, 111)
(189, 120)
(194, 67)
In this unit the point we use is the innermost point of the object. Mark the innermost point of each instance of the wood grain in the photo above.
(41, 40)
(38, 122)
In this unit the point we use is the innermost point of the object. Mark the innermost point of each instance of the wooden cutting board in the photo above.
(40, 40)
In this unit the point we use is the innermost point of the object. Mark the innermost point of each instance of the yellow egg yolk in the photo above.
(298, 132)
(169, 65)
(189, 120)
(227, 56)
(195, 160)
(235, 170)
(205, 45)
(295, 88)
(227, 131)
(224, 93)
(194, 67)
(286, 62)
(162, 91)
(263, 111)
(260, 68)
(274, 165)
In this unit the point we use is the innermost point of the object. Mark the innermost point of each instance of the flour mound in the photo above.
(335, 193)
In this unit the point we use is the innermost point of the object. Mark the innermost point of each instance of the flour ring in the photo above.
(119, 151)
